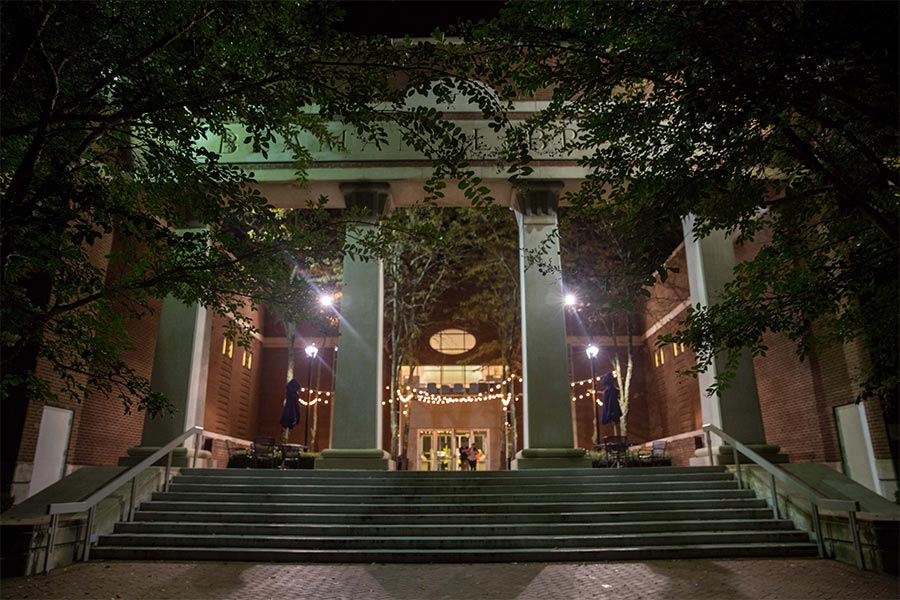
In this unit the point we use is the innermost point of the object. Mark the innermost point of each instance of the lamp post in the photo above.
(311, 352)
(592, 351)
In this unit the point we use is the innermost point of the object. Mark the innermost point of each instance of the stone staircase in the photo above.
(410, 517)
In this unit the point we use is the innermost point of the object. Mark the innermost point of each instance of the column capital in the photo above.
(540, 197)
(370, 196)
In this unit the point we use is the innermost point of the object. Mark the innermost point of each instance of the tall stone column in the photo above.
(549, 439)
(735, 410)
(180, 371)
(356, 436)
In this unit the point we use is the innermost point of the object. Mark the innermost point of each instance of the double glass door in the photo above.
(439, 449)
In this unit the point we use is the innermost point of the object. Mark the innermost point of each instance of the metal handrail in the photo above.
(90, 503)
(817, 500)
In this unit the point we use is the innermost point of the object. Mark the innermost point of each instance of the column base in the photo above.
(180, 457)
(373, 459)
(724, 455)
(551, 458)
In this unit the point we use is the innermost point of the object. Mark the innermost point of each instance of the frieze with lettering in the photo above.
(484, 144)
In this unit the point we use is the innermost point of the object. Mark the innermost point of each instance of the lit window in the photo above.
(227, 347)
(655, 358)
(662, 356)
(452, 341)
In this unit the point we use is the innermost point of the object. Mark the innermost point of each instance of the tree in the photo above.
(611, 262)
(491, 269)
(420, 253)
(104, 104)
(778, 117)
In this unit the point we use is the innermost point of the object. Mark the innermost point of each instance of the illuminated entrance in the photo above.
(438, 449)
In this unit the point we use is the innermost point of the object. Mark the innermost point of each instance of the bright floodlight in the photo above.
(326, 300)
(592, 351)
(311, 351)
(570, 300)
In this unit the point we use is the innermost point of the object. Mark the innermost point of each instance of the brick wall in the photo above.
(671, 402)
(101, 431)
(232, 390)
(797, 397)
(105, 432)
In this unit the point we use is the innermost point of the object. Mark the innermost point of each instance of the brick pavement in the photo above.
(702, 579)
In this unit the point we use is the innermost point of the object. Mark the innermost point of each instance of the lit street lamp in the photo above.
(592, 351)
(326, 300)
(311, 352)
(570, 300)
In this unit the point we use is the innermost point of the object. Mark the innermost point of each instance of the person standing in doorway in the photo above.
(463, 457)
(473, 458)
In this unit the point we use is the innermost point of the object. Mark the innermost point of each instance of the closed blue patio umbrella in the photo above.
(612, 410)
(290, 414)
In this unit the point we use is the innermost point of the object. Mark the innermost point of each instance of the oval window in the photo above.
(452, 341)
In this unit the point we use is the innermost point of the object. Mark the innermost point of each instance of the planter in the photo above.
(240, 461)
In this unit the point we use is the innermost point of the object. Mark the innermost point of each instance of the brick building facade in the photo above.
(245, 391)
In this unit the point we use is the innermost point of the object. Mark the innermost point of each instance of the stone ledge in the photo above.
(372, 459)
(551, 453)
(551, 458)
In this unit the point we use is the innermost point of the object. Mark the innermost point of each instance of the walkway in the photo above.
(731, 579)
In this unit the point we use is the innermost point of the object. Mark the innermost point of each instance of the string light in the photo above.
(316, 392)
(315, 401)
(494, 393)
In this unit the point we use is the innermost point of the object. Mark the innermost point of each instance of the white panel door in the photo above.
(856, 446)
(52, 446)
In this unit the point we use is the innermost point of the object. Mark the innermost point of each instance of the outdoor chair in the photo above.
(263, 452)
(616, 447)
(458, 389)
(238, 456)
(658, 448)
(290, 455)
(432, 388)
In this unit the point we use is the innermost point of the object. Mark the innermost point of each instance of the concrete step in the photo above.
(366, 516)
(442, 508)
(406, 499)
(455, 519)
(484, 542)
(362, 475)
(469, 530)
(392, 555)
(459, 480)
(222, 486)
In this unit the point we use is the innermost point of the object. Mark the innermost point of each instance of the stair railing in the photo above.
(90, 503)
(817, 501)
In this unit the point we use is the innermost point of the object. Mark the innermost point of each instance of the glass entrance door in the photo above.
(481, 443)
(445, 451)
(439, 449)
(426, 451)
